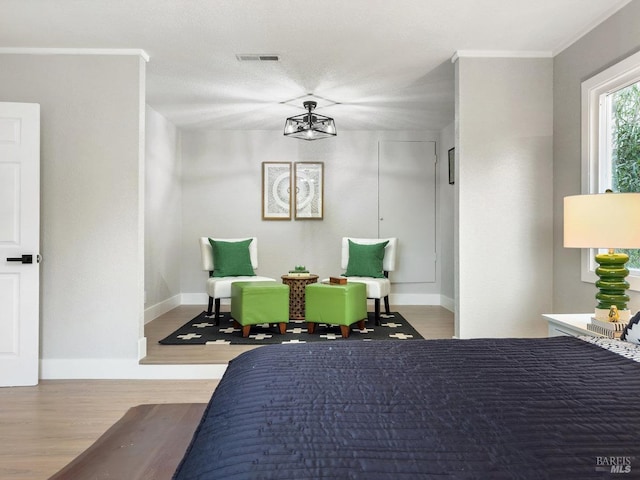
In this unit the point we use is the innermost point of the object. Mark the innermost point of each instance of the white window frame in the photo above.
(594, 141)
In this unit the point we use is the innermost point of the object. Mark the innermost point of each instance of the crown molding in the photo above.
(499, 54)
(75, 51)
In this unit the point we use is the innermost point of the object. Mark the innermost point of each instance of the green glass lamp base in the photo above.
(612, 283)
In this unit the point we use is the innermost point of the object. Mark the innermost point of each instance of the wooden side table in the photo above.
(296, 293)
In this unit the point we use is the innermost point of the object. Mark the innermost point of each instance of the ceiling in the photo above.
(370, 64)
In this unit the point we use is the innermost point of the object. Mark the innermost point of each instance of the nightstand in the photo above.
(572, 324)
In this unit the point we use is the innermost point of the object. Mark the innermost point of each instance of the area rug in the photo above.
(202, 331)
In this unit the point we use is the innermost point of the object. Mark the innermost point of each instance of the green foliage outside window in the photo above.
(625, 161)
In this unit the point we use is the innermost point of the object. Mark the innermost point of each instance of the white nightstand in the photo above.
(572, 324)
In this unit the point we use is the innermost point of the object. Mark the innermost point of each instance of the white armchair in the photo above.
(377, 288)
(220, 287)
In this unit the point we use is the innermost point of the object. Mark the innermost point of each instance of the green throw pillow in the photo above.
(365, 260)
(231, 259)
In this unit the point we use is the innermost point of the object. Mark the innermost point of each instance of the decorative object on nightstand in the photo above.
(605, 221)
(614, 315)
(612, 327)
(606, 328)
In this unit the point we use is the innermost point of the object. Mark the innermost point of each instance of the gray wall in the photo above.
(92, 120)
(504, 196)
(607, 44)
(221, 195)
(163, 211)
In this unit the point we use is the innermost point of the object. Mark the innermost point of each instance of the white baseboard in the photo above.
(154, 311)
(124, 369)
(414, 299)
(448, 303)
(195, 298)
(142, 348)
(422, 299)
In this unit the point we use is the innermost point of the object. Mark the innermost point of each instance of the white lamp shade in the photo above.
(603, 220)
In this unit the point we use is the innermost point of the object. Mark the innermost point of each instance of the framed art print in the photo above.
(276, 190)
(309, 190)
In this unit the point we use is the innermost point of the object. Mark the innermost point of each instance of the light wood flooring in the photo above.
(429, 320)
(45, 427)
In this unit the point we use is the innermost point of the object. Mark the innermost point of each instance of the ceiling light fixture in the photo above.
(310, 126)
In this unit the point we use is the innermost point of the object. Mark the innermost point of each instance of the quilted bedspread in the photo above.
(556, 408)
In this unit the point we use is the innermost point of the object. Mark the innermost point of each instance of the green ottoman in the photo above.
(336, 305)
(253, 303)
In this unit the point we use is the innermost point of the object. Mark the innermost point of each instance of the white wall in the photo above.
(92, 125)
(504, 190)
(163, 216)
(615, 39)
(222, 197)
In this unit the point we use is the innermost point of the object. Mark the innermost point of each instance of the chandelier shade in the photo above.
(309, 126)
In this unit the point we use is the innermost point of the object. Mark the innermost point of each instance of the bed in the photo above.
(558, 407)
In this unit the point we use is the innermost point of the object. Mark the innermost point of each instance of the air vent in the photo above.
(255, 57)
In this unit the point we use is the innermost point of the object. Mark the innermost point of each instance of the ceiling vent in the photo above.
(257, 57)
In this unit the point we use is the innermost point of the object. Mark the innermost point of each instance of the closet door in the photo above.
(407, 207)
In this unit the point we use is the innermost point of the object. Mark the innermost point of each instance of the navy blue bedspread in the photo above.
(556, 408)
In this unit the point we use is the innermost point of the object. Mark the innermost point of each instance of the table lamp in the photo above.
(605, 220)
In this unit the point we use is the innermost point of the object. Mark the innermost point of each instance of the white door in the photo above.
(19, 243)
(407, 206)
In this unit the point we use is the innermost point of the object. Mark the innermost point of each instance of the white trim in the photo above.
(415, 299)
(196, 299)
(593, 90)
(500, 54)
(154, 311)
(75, 51)
(112, 368)
(142, 348)
(448, 303)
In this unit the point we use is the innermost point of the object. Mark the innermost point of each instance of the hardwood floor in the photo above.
(162, 326)
(148, 443)
(43, 428)
(429, 320)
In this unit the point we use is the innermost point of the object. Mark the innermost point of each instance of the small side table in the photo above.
(296, 293)
(572, 324)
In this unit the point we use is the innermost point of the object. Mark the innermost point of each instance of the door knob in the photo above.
(22, 259)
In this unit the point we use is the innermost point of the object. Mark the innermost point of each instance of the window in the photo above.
(611, 144)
